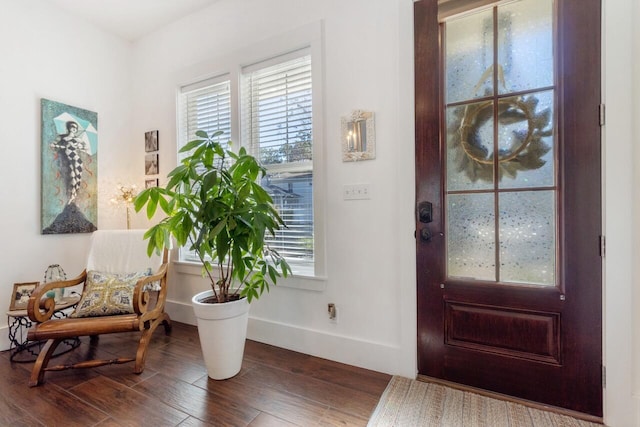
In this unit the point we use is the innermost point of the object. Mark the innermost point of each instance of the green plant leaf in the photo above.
(216, 207)
(191, 145)
(152, 205)
(141, 199)
(273, 274)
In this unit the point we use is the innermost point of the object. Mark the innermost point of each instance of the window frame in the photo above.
(231, 67)
(251, 128)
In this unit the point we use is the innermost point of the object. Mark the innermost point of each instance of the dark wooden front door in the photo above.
(508, 209)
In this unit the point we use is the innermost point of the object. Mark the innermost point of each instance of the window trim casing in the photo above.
(306, 37)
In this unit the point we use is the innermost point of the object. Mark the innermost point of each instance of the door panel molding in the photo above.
(499, 330)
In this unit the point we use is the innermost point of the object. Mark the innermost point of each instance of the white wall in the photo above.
(622, 407)
(635, 197)
(48, 54)
(368, 59)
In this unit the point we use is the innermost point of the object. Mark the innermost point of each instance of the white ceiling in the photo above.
(131, 19)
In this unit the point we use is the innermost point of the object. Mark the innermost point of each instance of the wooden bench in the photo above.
(147, 311)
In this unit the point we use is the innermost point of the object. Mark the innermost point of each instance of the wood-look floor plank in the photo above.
(186, 350)
(327, 370)
(126, 405)
(197, 402)
(351, 401)
(184, 332)
(334, 417)
(110, 422)
(14, 373)
(194, 422)
(263, 397)
(47, 402)
(25, 422)
(54, 406)
(124, 374)
(266, 420)
(11, 414)
(175, 366)
(275, 387)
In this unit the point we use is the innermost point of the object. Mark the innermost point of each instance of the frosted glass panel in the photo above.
(527, 237)
(471, 236)
(469, 53)
(525, 44)
(470, 146)
(525, 141)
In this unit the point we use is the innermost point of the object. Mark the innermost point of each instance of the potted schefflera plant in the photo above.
(215, 207)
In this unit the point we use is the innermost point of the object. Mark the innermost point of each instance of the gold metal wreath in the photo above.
(527, 148)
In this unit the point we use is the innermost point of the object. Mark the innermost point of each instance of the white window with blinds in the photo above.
(277, 119)
(205, 105)
(272, 108)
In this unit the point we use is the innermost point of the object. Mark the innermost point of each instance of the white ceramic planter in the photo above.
(223, 331)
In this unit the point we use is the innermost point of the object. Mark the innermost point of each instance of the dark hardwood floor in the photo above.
(275, 387)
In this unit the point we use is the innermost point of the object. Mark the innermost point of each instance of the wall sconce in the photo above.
(358, 136)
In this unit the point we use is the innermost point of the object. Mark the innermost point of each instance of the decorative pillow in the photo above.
(153, 286)
(107, 294)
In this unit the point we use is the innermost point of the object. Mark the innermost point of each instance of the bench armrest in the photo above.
(141, 296)
(41, 309)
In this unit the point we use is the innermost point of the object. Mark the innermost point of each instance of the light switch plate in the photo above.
(356, 192)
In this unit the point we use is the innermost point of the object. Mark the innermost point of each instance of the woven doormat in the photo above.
(407, 403)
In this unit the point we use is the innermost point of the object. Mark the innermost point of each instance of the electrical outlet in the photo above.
(356, 192)
(333, 312)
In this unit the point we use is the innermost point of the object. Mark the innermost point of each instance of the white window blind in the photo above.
(277, 126)
(205, 106)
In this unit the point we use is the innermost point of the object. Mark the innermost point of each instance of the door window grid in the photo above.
(470, 123)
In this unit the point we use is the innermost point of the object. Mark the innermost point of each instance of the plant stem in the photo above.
(213, 287)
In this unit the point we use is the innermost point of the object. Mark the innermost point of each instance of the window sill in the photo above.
(294, 281)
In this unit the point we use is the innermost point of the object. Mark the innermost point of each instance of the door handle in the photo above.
(425, 234)
(425, 212)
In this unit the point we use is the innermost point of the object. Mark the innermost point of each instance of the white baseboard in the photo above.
(379, 357)
(376, 356)
(180, 312)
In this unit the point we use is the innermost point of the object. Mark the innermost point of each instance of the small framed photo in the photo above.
(151, 141)
(148, 183)
(21, 294)
(151, 164)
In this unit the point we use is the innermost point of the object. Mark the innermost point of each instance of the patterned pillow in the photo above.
(107, 294)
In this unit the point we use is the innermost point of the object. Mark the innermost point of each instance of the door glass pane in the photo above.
(500, 149)
(525, 45)
(471, 236)
(527, 237)
(525, 140)
(469, 54)
(470, 146)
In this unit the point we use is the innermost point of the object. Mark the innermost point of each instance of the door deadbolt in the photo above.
(425, 234)
(425, 212)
